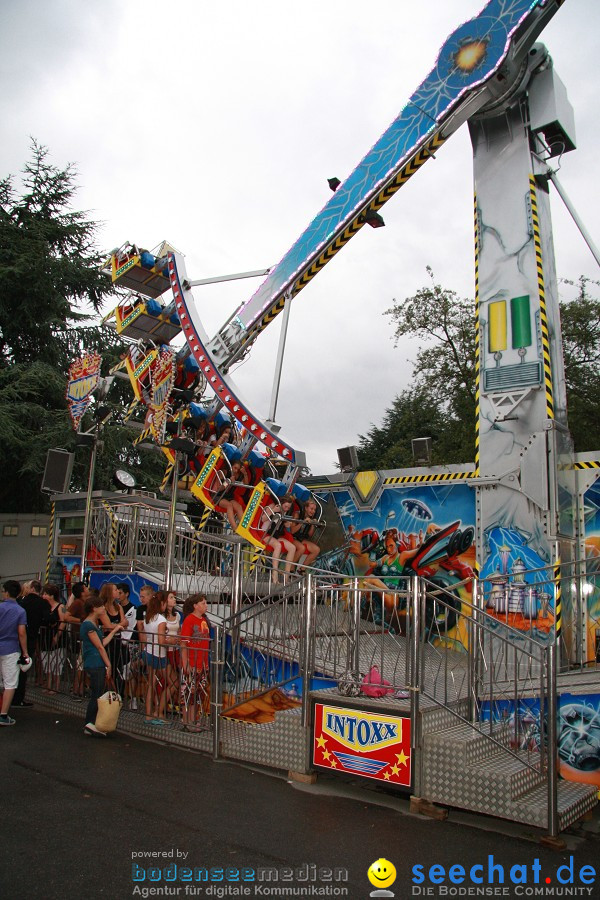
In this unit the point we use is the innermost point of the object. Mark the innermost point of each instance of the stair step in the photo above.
(466, 743)
(437, 718)
(463, 768)
(499, 774)
(573, 801)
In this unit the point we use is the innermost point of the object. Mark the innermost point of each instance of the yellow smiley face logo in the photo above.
(381, 873)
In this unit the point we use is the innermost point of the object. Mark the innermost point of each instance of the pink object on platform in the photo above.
(373, 685)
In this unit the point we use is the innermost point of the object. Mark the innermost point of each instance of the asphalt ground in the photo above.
(75, 810)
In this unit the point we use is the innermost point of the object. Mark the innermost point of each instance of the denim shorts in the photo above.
(155, 662)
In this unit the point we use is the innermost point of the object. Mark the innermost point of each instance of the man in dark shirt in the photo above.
(37, 611)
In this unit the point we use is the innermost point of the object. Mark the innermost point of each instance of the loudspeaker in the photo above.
(421, 450)
(57, 474)
(348, 459)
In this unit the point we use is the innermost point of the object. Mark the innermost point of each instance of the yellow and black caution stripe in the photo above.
(257, 554)
(144, 435)
(204, 519)
(51, 540)
(542, 299)
(423, 479)
(166, 477)
(407, 171)
(557, 598)
(592, 464)
(477, 340)
(114, 525)
(131, 409)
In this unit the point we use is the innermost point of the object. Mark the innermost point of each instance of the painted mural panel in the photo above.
(591, 588)
(517, 582)
(578, 732)
(422, 529)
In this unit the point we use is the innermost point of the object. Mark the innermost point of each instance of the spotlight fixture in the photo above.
(373, 219)
(334, 183)
(124, 479)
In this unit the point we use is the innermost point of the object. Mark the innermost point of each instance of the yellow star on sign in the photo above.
(395, 770)
(386, 775)
(326, 754)
(402, 758)
(321, 742)
(333, 764)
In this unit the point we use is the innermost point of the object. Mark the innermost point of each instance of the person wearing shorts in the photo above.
(13, 644)
(155, 657)
(173, 617)
(195, 642)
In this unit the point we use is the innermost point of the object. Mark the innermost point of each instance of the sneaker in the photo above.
(133, 703)
(90, 728)
(24, 704)
(6, 720)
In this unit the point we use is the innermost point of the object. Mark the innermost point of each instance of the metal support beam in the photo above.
(88, 504)
(574, 215)
(279, 362)
(216, 279)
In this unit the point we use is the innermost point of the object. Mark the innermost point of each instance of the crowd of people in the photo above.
(155, 654)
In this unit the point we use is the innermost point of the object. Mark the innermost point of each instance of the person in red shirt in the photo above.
(195, 641)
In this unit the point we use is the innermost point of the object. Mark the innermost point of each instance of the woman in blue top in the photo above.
(96, 663)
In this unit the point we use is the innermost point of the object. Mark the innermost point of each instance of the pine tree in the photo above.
(50, 287)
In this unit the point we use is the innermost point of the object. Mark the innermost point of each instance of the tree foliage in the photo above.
(50, 286)
(440, 402)
(580, 320)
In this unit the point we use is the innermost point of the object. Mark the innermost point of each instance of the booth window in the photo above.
(39, 531)
(10, 530)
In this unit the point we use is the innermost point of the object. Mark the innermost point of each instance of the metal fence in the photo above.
(423, 641)
(150, 677)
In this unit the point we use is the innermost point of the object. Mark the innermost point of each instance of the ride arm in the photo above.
(479, 64)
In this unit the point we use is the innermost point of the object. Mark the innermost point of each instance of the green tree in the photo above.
(50, 287)
(441, 400)
(412, 414)
(580, 322)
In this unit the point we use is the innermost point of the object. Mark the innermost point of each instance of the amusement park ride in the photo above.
(491, 75)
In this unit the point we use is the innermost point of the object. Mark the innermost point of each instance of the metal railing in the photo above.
(149, 676)
(416, 638)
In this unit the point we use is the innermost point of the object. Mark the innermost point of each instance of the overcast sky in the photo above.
(216, 125)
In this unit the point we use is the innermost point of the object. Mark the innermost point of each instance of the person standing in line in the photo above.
(173, 618)
(139, 669)
(195, 643)
(74, 616)
(96, 663)
(37, 612)
(55, 650)
(13, 644)
(113, 615)
(155, 657)
(128, 643)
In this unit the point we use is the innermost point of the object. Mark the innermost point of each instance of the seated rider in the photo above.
(226, 501)
(277, 537)
(302, 531)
